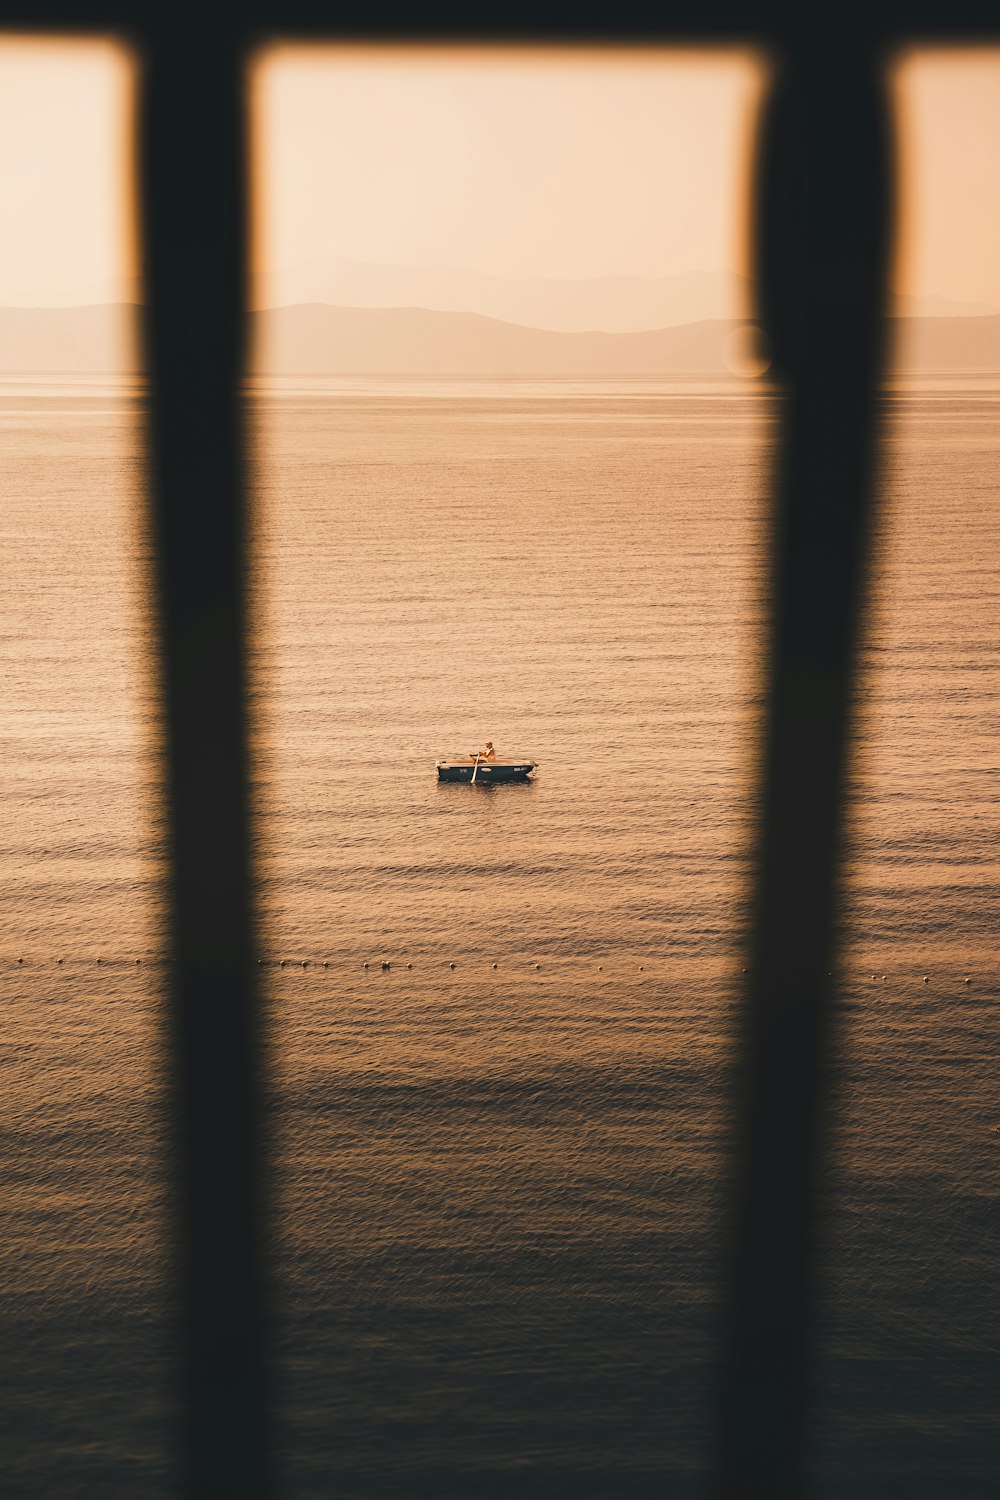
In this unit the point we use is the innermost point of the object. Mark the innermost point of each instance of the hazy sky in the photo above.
(561, 164)
(570, 164)
(949, 143)
(63, 169)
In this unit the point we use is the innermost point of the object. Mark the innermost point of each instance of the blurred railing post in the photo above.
(824, 212)
(193, 190)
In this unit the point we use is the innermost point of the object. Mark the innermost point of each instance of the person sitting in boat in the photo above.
(488, 754)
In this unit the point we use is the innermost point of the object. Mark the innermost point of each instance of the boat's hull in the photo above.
(488, 773)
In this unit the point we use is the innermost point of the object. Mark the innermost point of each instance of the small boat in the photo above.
(484, 770)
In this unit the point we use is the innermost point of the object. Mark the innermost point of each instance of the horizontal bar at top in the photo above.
(714, 22)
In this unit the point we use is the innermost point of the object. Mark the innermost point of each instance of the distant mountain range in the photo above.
(320, 339)
(609, 304)
(101, 338)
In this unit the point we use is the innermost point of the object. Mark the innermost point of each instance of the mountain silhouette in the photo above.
(321, 339)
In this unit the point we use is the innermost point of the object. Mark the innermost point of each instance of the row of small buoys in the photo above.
(385, 965)
(102, 961)
(925, 979)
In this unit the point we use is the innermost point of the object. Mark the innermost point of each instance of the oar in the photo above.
(474, 770)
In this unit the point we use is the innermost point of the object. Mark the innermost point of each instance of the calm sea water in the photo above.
(498, 1186)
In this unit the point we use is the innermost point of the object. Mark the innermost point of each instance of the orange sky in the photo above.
(949, 147)
(567, 163)
(63, 167)
(558, 164)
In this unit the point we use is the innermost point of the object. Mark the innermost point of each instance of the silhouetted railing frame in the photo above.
(823, 221)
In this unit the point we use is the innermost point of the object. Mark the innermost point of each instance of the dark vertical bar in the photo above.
(823, 232)
(193, 171)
